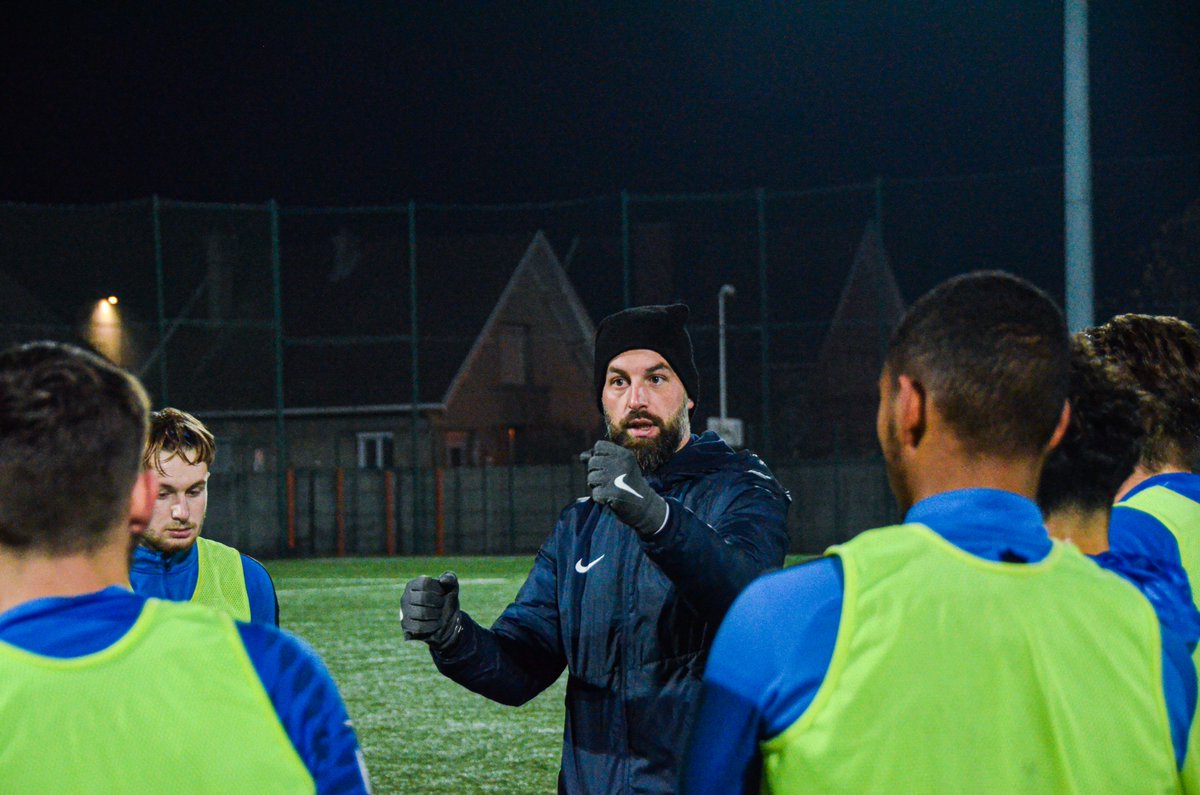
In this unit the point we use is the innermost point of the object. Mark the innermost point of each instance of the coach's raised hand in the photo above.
(429, 611)
(616, 481)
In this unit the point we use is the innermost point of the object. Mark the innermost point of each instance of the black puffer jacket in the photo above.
(631, 620)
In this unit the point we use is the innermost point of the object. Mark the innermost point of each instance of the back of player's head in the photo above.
(72, 428)
(1103, 440)
(991, 351)
(1162, 354)
(175, 432)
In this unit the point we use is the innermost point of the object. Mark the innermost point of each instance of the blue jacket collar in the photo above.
(702, 454)
(989, 523)
(1186, 483)
(149, 560)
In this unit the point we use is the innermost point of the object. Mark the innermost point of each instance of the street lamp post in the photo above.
(727, 291)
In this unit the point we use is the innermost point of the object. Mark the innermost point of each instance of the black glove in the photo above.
(616, 481)
(429, 611)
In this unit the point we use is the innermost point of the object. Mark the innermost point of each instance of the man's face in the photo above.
(889, 442)
(180, 507)
(646, 407)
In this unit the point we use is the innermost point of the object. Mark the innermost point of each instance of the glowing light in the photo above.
(105, 332)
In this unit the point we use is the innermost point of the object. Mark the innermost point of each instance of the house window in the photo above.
(375, 450)
(456, 444)
(514, 354)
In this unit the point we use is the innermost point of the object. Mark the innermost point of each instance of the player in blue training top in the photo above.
(171, 560)
(1158, 507)
(108, 692)
(964, 650)
(1098, 452)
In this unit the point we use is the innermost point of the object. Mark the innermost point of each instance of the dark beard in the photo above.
(650, 453)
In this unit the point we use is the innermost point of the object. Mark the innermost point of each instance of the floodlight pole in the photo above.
(726, 290)
(1077, 167)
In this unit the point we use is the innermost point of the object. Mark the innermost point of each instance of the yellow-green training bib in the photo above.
(221, 581)
(175, 706)
(954, 674)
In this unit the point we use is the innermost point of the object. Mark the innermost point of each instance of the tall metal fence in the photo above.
(226, 309)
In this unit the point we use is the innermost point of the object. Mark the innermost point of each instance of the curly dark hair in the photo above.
(992, 350)
(1162, 355)
(1103, 440)
(72, 428)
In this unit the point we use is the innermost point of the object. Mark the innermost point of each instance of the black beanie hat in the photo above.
(661, 329)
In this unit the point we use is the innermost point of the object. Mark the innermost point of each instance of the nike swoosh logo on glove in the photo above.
(582, 569)
(623, 486)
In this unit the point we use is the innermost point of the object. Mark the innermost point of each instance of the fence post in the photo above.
(312, 511)
(155, 207)
(625, 264)
(389, 512)
(512, 502)
(416, 391)
(458, 504)
(291, 510)
(281, 456)
(339, 499)
(483, 499)
(439, 512)
(765, 328)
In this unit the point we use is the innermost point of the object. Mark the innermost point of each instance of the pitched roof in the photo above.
(845, 379)
(558, 296)
(349, 344)
(868, 309)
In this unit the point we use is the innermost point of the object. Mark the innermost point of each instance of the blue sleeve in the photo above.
(712, 564)
(264, 606)
(522, 654)
(1179, 686)
(767, 663)
(309, 707)
(1165, 586)
(1135, 532)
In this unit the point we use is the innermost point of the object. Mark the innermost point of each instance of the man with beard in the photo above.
(628, 590)
(964, 650)
(172, 561)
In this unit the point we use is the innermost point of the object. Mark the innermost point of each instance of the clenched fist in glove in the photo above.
(616, 481)
(429, 611)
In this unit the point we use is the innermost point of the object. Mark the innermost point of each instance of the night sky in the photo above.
(354, 104)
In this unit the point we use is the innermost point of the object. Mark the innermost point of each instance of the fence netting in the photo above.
(283, 327)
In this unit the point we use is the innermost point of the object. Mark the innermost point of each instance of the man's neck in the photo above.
(1086, 529)
(26, 577)
(1141, 474)
(953, 472)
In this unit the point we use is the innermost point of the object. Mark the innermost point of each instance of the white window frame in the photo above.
(371, 449)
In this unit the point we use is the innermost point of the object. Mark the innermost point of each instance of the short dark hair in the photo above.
(1162, 354)
(72, 428)
(175, 432)
(992, 352)
(1103, 440)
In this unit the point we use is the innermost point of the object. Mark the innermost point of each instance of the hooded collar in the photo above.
(702, 454)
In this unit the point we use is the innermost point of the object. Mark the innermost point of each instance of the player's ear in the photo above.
(911, 408)
(1064, 419)
(141, 501)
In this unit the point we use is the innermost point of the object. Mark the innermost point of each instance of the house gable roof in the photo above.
(868, 309)
(540, 265)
